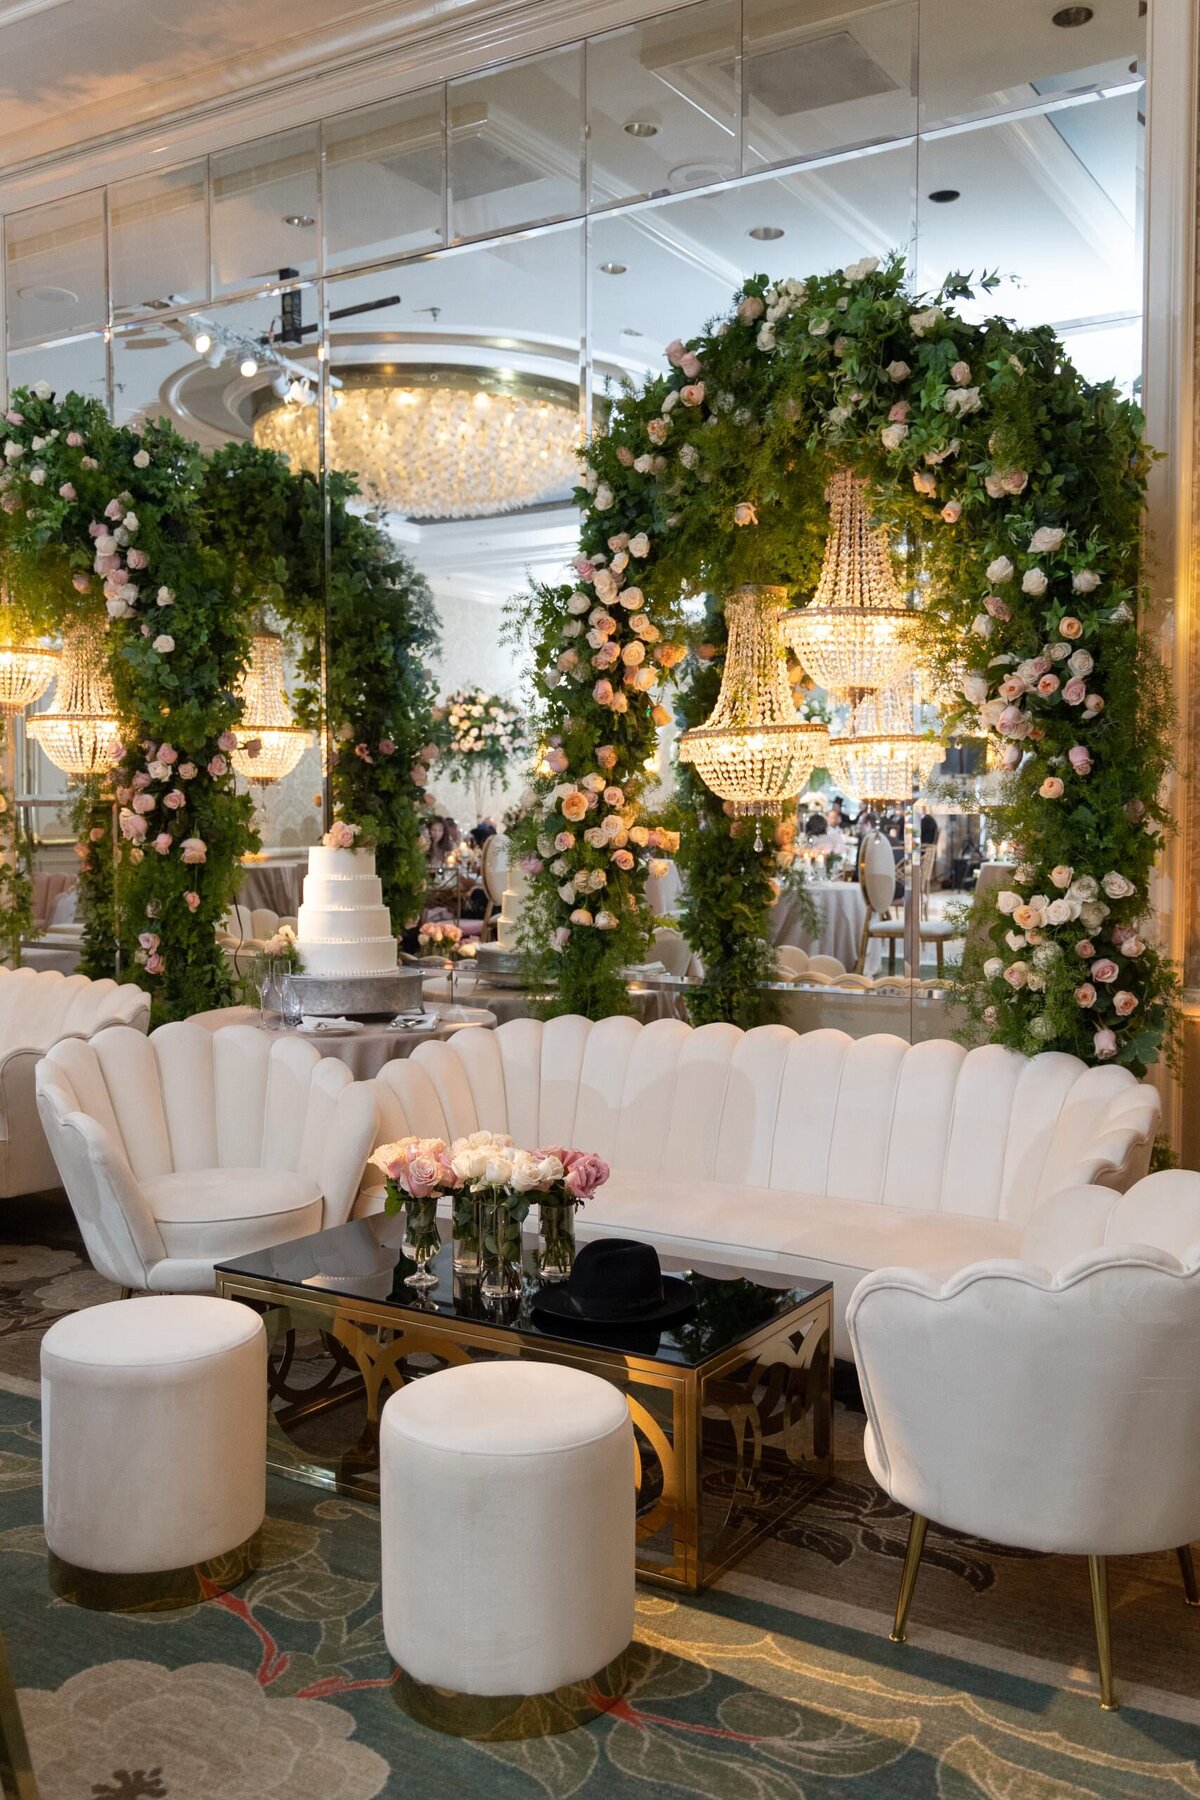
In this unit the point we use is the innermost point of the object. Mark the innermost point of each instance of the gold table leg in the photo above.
(908, 1575)
(1098, 1576)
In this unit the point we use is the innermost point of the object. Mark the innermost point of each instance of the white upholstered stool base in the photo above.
(507, 1512)
(154, 1422)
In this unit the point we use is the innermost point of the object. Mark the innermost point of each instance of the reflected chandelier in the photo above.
(267, 716)
(437, 444)
(754, 751)
(27, 667)
(79, 730)
(856, 634)
(883, 755)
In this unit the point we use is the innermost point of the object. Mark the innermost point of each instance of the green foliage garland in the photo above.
(1017, 488)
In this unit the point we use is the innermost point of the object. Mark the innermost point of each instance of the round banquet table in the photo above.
(843, 914)
(364, 1052)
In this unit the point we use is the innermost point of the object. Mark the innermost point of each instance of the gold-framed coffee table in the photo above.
(732, 1408)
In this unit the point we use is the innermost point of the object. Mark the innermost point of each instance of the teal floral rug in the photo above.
(284, 1689)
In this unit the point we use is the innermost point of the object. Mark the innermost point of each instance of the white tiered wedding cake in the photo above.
(343, 927)
(508, 924)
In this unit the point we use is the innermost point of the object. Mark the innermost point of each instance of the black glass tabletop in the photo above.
(365, 1260)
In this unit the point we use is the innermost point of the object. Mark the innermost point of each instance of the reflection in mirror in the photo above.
(265, 210)
(823, 77)
(209, 372)
(516, 144)
(54, 269)
(659, 272)
(1029, 55)
(455, 401)
(662, 104)
(79, 365)
(384, 183)
(158, 240)
(1054, 201)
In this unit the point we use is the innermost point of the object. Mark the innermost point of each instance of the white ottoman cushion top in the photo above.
(154, 1432)
(508, 1527)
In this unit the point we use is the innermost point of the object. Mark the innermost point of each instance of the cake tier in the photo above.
(342, 923)
(361, 956)
(342, 890)
(337, 863)
(506, 934)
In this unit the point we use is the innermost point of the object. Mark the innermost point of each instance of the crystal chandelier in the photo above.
(883, 755)
(439, 443)
(855, 635)
(79, 730)
(27, 667)
(754, 751)
(267, 716)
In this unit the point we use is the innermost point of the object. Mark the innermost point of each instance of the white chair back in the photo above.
(877, 872)
(493, 868)
(672, 950)
(1058, 1412)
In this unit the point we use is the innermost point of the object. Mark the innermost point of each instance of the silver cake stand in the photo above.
(361, 996)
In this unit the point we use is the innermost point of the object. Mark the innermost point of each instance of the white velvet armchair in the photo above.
(38, 1007)
(189, 1147)
(1051, 1403)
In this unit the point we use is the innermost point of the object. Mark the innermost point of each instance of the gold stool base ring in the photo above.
(505, 1718)
(160, 1590)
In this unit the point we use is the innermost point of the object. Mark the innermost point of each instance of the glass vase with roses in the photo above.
(418, 1172)
(583, 1172)
(503, 1182)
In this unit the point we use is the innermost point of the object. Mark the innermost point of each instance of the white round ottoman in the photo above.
(507, 1500)
(154, 1421)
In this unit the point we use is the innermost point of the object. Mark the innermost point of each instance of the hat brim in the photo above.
(557, 1302)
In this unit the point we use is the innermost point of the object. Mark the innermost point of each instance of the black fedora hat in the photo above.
(617, 1282)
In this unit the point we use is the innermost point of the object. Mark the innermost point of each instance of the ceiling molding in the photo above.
(376, 55)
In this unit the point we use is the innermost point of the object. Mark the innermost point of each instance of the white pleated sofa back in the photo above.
(985, 1133)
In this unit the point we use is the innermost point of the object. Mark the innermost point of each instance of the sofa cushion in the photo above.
(823, 1236)
(230, 1212)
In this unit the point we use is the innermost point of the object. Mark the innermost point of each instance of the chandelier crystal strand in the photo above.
(27, 667)
(79, 730)
(856, 634)
(883, 754)
(454, 450)
(267, 716)
(754, 751)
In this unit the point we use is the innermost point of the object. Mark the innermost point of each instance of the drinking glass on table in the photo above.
(293, 1004)
(260, 975)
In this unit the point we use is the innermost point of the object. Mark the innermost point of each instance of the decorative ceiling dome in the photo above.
(437, 442)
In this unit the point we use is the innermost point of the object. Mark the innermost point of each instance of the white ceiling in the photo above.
(1050, 197)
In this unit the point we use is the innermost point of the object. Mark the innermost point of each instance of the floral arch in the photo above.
(1016, 489)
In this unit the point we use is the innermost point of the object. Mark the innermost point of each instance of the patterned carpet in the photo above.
(778, 1685)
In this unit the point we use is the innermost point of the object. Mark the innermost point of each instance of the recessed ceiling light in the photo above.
(612, 268)
(943, 196)
(302, 221)
(1068, 16)
(641, 128)
(765, 234)
(49, 296)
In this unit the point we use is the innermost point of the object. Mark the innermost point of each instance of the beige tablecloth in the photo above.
(364, 1052)
(842, 912)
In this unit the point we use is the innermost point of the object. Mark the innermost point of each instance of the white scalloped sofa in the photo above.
(38, 1008)
(777, 1150)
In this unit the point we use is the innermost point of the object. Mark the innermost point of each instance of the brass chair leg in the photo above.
(1187, 1568)
(1098, 1575)
(908, 1575)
